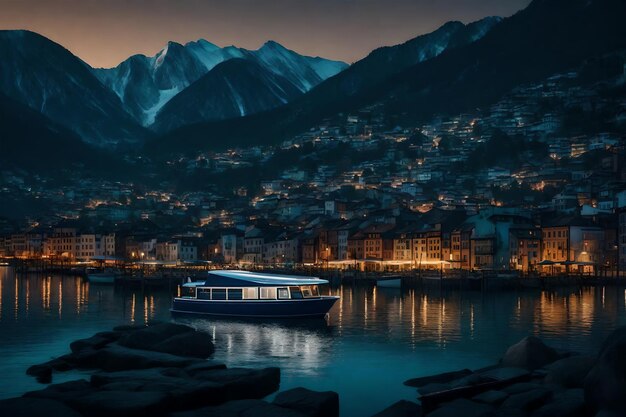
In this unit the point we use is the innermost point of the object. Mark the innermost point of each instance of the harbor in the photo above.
(405, 332)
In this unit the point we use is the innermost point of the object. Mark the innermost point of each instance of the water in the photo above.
(374, 339)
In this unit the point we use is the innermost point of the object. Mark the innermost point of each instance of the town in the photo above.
(514, 187)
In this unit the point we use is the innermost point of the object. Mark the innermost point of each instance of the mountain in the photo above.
(31, 142)
(547, 37)
(146, 84)
(232, 89)
(331, 94)
(565, 33)
(49, 79)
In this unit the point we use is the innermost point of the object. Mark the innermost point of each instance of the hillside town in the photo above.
(517, 186)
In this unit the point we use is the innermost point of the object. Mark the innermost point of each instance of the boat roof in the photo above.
(235, 278)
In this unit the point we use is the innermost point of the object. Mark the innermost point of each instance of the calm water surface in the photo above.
(374, 339)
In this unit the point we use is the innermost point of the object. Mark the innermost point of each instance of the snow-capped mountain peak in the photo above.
(146, 84)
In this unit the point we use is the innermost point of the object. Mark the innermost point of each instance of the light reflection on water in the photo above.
(374, 338)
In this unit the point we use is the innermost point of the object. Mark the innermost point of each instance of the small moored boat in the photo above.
(389, 282)
(252, 294)
(101, 276)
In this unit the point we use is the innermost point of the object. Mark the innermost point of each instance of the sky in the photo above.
(105, 32)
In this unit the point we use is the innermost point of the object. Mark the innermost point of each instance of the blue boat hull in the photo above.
(308, 307)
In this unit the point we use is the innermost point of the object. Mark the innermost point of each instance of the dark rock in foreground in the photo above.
(462, 407)
(310, 403)
(529, 353)
(156, 370)
(401, 408)
(33, 407)
(117, 358)
(147, 337)
(195, 344)
(120, 403)
(569, 372)
(240, 408)
(533, 380)
(605, 385)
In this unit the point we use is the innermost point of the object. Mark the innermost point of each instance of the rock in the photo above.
(439, 379)
(607, 413)
(507, 374)
(492, 397)
(310, 403)
(521, 387)
(184, 392)
(433, 387)
(195, 344)
(462, 407)
(35, 407)
(123, 386)
(62, 392)
(605, 384)
(93, 342)
(569, 372)
(242, 382)
(469, 380)
(240, 408)
(147, 337)
(42, 372)
(117, 358)
(529, 353)
(124, 328)
(528, 400)
(508, 412)
(569, 403)
(111, 335)
(121, 404)
(203, 366)
(205, 388)
(402, 408)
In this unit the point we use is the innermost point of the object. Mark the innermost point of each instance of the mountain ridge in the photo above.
(145, 84)
(64, 82)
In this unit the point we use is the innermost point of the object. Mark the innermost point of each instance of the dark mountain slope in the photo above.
(233, 88)
(547, 37)
(48, 78)
(32, 143)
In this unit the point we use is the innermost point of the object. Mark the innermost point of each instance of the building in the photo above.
(572, 244)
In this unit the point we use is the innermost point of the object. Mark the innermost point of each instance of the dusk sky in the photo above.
(104, 33)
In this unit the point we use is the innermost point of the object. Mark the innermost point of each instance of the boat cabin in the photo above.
(245, 285)
(252, 293)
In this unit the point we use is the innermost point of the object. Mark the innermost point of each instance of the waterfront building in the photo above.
(572, 244)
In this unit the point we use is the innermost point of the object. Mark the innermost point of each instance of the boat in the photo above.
(235, 293)
(389, 282)
(101, 276)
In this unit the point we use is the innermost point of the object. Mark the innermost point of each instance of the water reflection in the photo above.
(373, 340)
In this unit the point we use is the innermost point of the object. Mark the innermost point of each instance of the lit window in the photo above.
(268, 293)
(250, 293)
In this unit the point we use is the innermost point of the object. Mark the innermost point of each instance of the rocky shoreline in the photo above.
(160, 370)
(164, 370)
(531, 380)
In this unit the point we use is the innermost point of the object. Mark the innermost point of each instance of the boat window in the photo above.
(283, 294)
(189, 292)
(250, 293)
(219, 294)
(268, 293)
(295, 292)
(315, 290)
(306, 291)
(204, 293)
(235, 294)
